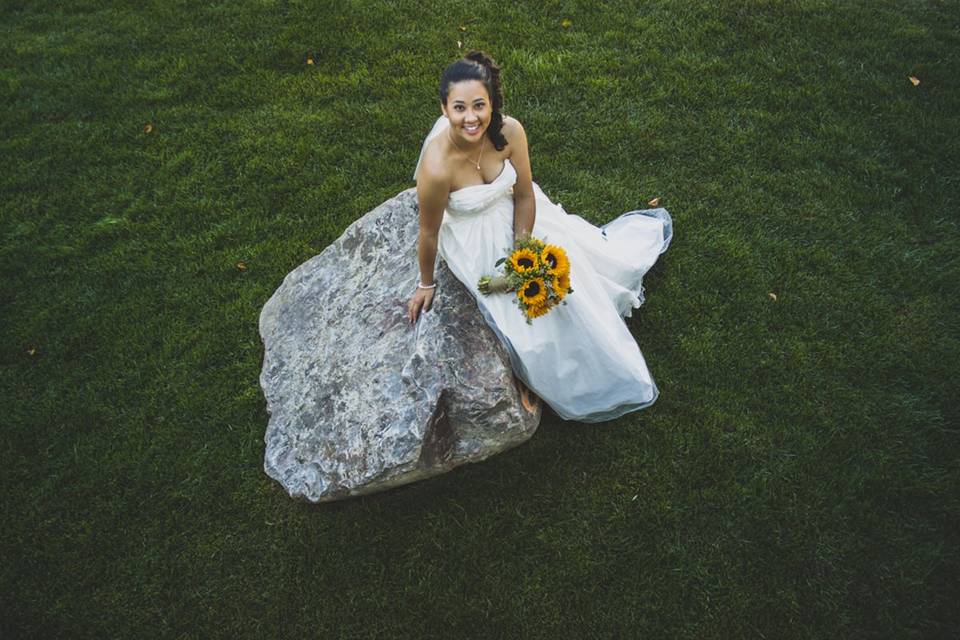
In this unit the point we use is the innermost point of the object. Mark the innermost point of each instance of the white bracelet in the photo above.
(420, 285)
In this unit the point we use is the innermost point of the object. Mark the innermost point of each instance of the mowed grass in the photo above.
(798, 477)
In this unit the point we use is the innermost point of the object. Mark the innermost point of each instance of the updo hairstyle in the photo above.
(477, 65)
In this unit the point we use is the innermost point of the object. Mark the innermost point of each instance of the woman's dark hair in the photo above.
(477, 65)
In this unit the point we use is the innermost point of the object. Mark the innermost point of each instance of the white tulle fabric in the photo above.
(580, 358)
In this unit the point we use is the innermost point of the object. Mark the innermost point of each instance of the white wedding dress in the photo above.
(580, 358)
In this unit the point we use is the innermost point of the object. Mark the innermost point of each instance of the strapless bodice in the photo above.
(479, 197)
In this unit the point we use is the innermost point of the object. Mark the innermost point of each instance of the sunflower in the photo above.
(537, 310)
(560, 285)
(532, 292)
(524, 260)
(556, 259)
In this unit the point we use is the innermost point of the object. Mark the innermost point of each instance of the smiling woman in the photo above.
(478, 200)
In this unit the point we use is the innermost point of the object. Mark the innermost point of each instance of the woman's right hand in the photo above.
(422, 300)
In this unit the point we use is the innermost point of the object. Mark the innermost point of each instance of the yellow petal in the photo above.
(914, 80)
(241, 265)
(309, 60)
(566, 23)
(148, 128)
(654, 202)
(773, 296)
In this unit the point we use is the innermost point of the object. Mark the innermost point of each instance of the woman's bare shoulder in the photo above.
(512, 129)
(516, 136)
(434, 168)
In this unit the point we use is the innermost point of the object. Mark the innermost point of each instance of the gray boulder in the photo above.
(360, 400)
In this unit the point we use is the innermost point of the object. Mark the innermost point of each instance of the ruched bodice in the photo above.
(480, 197)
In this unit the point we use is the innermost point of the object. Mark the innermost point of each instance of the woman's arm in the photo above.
(524, 203)
(432, 194)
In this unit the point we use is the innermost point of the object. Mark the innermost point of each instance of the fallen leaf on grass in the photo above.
(773, 296)
(241, 265)
(566, 24)
(32, 351)
(654, 202)
(148, 128)
(309, 60)
(914, 80)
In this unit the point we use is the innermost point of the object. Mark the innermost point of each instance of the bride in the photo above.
(477, 196)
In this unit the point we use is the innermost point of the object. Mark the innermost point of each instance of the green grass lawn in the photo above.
(799, 476)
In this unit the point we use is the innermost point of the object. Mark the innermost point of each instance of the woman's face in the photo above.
(469, 110)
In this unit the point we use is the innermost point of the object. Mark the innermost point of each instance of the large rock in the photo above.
(359, 399)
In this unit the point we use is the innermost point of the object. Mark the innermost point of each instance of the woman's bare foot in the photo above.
(530, 400)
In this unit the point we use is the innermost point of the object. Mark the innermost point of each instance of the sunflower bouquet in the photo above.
(539, 273)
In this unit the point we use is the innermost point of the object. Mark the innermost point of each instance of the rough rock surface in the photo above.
(360, 400)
